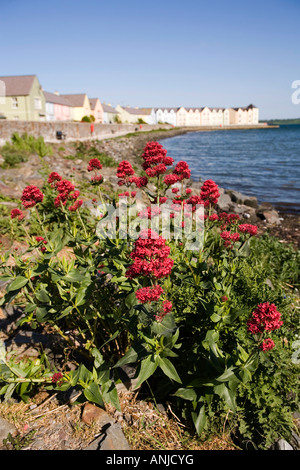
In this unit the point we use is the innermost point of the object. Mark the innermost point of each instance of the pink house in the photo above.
(57, 107)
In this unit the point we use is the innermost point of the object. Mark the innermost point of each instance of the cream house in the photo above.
(248, 115)
(96, 110)
(135, 115)
(182, 117)
(193, 117)
(80, 105)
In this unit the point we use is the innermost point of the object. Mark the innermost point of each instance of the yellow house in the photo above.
(133, 115)
(80, 106)
(96, 110)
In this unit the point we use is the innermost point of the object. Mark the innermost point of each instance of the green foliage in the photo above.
(85, 152)
(20, 148)
(86, 119)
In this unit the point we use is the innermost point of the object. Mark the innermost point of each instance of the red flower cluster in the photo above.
(171, 179)
(124, 171)
(149, 294)
(229, 238)
(17, 213)
(94, 164)
(53, 177)
(57, 378)
(248, 228)
(182, 171)
(66, 191)
(97, 179)
(42, 239)
(31, 196)
(267, 345)
(76, 205)
(194, 201)
(140, 181)
(209, 193)
(151, 256)
(154, 154)
(264, 318)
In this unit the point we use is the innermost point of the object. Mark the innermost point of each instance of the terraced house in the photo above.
(57, 107)
(22, 98)
(80, 105)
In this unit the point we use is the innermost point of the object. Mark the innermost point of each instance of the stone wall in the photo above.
(72, 130)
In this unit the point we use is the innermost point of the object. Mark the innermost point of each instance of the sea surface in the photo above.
(258, 162)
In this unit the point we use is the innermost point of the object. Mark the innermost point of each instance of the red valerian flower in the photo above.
(124, 169)
(31, 196)
(248, 228)
(194, 201)
(98, 179)
(209, 192)
(17, 213)
(42, 239)
(264, 318)
(54, 177)
(150, 255)
(65, 187)
(224, 298)
(154, 154)
(56, 378)
(229, 238)
(149, 294)
(267, 345)
(213, 217)
(182, 171)
(159, 169)
(76, 205)
(140, 181)
(171, 179)
(94, 164)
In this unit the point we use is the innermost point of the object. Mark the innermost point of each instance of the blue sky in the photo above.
(159, 53)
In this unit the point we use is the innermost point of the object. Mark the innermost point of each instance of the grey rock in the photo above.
(244, 199)
(224, 202)
(283, 445)
(270, 216)
(111, 438)
(6, 428)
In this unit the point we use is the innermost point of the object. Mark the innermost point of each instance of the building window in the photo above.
(14, 102)
(37, 103)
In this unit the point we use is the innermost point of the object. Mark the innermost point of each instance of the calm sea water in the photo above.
(258, 162)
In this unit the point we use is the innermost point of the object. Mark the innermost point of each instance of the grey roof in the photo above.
(56, 99)
(93, 102)
(108, 109)
(18, 85)
(138, 111)
(75, 100)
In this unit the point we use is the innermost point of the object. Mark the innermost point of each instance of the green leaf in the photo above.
(98, 357)
(148, 367)
(110, 395)
(186, 394)
(199, 420)
(167, 367)
(65, 312)
(74, 276)
(130, 300)
(227, 395)
(133, 355)
(43, 296)
(17, 284)
(93, 394)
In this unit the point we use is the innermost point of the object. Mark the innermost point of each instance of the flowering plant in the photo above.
(140, 291)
